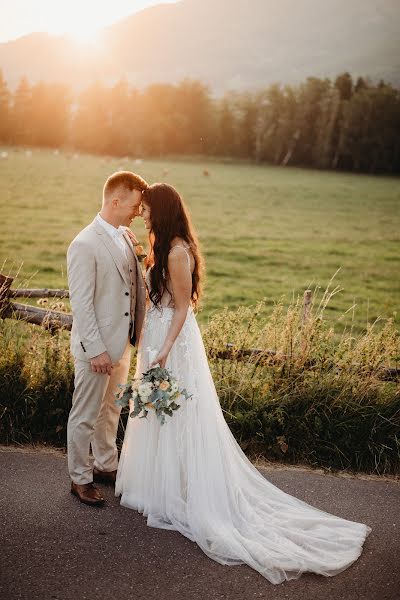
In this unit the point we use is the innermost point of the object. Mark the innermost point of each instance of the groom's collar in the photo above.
(105, 225)
(102, 226)
(99, 229)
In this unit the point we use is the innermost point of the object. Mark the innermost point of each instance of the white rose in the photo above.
(145, 389)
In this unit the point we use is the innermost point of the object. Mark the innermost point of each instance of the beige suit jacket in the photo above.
(106, 295)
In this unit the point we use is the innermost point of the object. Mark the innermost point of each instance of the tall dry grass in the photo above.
(36, 384)
(309, 396)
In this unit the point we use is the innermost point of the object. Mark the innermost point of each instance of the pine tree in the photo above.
(344, 84)
(123, 126)
(4, 110)
(50, 114)
(21, 114)
(361, 84)
(91, 123)
(226, 126)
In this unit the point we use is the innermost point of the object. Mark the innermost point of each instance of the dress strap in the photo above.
(186, 252)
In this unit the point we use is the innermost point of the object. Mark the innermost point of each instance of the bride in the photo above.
(189, 474)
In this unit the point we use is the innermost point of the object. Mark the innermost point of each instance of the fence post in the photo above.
(5, 284)
(307, 300)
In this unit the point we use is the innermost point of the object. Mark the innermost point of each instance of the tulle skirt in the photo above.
(190, 475)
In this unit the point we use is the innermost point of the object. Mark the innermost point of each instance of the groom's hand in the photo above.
(101, 363)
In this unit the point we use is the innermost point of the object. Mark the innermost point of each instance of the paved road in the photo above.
(55, 548)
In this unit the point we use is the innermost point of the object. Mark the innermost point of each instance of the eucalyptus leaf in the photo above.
(156, 395)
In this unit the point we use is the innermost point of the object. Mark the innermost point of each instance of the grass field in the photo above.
(265, 231)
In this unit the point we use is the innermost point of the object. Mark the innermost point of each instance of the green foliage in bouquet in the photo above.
(157, 390)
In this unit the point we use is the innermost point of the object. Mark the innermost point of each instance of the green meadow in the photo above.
(265, 232)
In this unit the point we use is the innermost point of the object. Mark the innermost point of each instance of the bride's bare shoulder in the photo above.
(179, 254)
(179, 246)
(177, 241)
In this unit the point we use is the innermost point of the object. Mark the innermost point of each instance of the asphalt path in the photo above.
(55, 548)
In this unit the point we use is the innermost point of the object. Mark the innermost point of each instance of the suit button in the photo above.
(126, 293)
(127, 314)
(130, 270)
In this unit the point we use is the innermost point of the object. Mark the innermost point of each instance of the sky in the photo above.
(81, 18)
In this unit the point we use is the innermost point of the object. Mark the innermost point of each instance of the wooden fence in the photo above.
(54, 320)
(49, 319)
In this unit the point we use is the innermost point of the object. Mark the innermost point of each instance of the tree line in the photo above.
(340, 124)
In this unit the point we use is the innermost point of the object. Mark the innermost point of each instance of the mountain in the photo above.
(228, 44)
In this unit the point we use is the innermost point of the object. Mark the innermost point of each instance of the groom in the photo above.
(107, 294)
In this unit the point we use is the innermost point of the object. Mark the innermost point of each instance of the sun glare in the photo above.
(82, 20)
(84, 35)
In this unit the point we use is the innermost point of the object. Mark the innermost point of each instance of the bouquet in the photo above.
(157, 390)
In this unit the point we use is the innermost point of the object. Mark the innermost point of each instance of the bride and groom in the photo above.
(188, 475)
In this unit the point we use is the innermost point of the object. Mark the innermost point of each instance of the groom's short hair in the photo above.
(124, 179)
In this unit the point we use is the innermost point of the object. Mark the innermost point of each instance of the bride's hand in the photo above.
(160, 359)
(132, 237)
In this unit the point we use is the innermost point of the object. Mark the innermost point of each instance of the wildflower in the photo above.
(145, 389)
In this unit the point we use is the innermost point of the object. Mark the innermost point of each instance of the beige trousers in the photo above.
(93, 419)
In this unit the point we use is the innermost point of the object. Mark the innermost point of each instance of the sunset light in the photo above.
(151, 150)
(83, 35)
(82, 20)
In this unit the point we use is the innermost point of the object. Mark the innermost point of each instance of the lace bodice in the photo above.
(167, 300)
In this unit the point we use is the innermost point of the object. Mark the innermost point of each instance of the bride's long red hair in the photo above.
(169, 219)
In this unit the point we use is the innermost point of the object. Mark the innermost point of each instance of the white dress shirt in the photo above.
(116, 233)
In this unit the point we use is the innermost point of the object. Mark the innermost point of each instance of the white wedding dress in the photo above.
(190, 475)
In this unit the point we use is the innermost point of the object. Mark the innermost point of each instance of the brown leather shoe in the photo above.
(87, 493)
(107, 477)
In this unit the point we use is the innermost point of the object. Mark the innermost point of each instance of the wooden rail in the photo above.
(39, 293)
